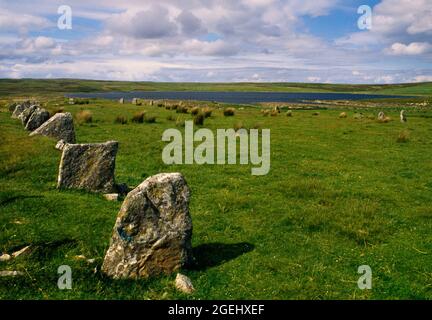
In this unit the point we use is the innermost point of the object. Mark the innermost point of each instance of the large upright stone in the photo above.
(18, 110)
(88, 166)
(37, 118)
(26, 114)
(20, 107)
(59, 126)
(153, 230)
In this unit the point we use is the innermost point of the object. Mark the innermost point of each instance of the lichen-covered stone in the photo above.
(59, 126)
(37, 118)
(17, 111)
(153, 230)
(88, 166)
(184, 284)
(26, 114)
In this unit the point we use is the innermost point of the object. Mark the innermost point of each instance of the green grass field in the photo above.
(340, 193)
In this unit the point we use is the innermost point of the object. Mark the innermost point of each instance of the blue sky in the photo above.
(218, 40)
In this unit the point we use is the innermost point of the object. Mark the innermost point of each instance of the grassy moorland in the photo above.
(39, 87)
(340, 193)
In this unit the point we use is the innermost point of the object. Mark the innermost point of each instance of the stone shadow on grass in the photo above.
(214, 254)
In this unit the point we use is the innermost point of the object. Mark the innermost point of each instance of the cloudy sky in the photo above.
(218, 40)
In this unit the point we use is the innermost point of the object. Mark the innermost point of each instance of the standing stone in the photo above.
(403, 118)
(60, 126)
(18, 110)
(38, 117)
(26, 114)
(11, 106)
(88, 166)
(153, 230)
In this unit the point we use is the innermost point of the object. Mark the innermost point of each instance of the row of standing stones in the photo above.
(153, 230)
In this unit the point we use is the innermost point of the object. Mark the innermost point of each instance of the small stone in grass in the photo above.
(5, 257)
(111, 196)
(20, 252)
(11, 273)
(184, 284)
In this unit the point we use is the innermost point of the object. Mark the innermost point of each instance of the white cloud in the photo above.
(415, 48)
(153, 23)
(12, 21)
(190, 24)
(422, 79)
(213, 40)
(313, 79)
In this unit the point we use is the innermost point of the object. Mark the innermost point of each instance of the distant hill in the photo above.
(9, 87)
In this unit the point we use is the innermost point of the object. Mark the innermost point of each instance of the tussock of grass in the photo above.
(403, 137)
(194, 111)
(84, 116)
(207, 112)
(182, 109)
(149, 119)
(171, 107)
(120, 120)
(238, 125)
(138, 117)
(199, 119)
(257, 126)
(81, 101)
(229, 112)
